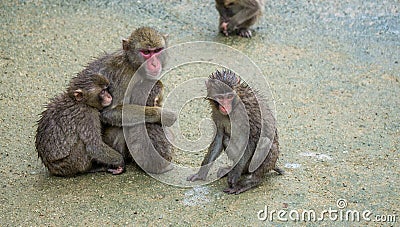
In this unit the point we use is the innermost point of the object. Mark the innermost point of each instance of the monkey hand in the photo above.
(168, 117)
(245, 33)
(196, 177)
(224, 28)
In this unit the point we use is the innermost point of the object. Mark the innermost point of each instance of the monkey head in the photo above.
(220, 90)
(91, 90)
(145, 45)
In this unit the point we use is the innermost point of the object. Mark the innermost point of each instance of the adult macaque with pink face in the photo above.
(141, 61)
(153, 64)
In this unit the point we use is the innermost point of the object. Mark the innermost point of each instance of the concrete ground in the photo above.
(333, 68)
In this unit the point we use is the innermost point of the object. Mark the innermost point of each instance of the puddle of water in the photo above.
(323, 157)
(197, 196)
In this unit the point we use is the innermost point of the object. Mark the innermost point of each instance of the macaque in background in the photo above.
(237, 16)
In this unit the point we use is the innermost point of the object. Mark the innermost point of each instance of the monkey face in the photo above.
(222, 95)
(153, 61)
(225, 102)
(105, 98)
(144, 46)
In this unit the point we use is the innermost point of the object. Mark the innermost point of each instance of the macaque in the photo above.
(225, 93)
(142, 120)
(237, 16)
(68, 137)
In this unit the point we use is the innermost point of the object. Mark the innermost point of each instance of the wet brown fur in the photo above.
(120, 67)
(236, 181)
(68, 137)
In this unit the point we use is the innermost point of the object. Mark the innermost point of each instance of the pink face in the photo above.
(225, 102)
(105, 98)
(153, 63)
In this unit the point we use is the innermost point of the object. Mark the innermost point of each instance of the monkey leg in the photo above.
(244, 32)
(223, 171)
(114, 137)
(76, 162)
(162, 146)
(251, 181)
(254, 179)
(150, 148)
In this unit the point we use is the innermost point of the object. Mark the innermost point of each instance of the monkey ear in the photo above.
(125, 44)
(166, 36)
(78, 94)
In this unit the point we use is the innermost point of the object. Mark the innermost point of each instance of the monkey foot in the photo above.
(242, 185)
(245, 33)
(224, 28)
(279, 170)
(195, 177)
(225, 33)
(116, 171)
(235, 190)
(238, 189)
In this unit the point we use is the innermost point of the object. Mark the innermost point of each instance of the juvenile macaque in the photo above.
(68, 137)
(145, 45)
(225, 92)
(237, 16)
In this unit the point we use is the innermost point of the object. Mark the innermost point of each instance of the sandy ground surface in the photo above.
(333, 67)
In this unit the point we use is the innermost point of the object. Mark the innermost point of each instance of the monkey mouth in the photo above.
(223, 110)
(154, 74)
(153, 67)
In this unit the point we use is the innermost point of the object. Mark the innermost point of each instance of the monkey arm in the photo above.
(136, 114)
(104, 154)
(250, 9)
(223, 12)
(213, 153)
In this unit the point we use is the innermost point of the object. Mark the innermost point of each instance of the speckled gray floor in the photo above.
(333, 67)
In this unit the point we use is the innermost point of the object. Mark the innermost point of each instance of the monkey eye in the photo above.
(145, 52)
(230, 96)
(103, 91)
(219, 97)
(158, 50)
